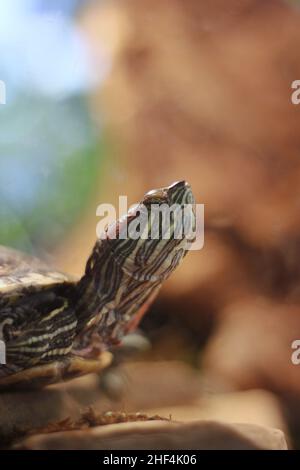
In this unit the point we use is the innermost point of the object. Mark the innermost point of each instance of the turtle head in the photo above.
(153, 237)
(131, 260)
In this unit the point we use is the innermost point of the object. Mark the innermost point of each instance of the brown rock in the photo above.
(252, 346)
(161, 435)
(144, 385)
(253, 407)
(23, 411)
(158, 389)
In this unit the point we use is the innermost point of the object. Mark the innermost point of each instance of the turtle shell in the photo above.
(54, 372)
(19, 271)
(22, 277)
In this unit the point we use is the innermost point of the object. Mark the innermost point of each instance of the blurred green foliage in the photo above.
(50, 163)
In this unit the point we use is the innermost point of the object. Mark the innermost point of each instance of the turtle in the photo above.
(55, 327)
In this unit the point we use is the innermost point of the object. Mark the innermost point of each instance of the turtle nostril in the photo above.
(180, 193)
(178, 185)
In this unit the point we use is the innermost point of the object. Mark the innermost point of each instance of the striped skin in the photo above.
(124, 275)
(54, 320)
(36, 321)
(38, 326)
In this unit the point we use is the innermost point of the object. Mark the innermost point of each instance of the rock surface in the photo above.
(158, 388)
(143, 385)
(160, 435)
(252, 346)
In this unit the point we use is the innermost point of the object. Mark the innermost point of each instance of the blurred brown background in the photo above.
(202, 91)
